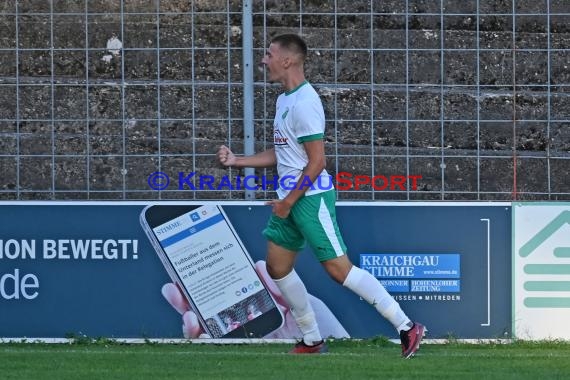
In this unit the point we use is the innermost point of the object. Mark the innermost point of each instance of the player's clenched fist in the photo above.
(225, 156)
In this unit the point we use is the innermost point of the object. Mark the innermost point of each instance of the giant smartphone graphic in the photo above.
(206, 259)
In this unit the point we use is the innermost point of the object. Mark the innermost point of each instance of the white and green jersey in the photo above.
(299, 118)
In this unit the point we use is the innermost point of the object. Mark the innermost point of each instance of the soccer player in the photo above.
(304, 211)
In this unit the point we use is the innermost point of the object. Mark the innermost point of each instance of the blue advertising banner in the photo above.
(401, 269)
(88, 268)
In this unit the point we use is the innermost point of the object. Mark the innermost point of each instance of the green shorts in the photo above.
(313, 220)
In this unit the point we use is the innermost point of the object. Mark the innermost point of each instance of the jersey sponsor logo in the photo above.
(279, 139)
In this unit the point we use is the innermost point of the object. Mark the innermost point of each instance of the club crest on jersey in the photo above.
(284, 115)
(278, 138)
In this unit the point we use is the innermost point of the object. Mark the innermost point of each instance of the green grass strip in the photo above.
(369, 359)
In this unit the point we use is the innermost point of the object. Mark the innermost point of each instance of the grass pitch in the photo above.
(368, 359)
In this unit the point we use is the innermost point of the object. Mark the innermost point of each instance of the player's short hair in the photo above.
(292, 42)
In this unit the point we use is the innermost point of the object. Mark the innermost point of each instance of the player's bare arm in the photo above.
(263, 159)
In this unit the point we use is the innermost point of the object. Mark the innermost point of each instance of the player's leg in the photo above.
(372, 291)
(284, 241)
(324, 236)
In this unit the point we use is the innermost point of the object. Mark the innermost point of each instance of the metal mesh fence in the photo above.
(471, 95)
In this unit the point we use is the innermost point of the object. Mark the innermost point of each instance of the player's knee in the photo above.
(277, 271)
(338, 269)
(337, 276)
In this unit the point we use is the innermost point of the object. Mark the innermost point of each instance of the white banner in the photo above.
(541, 275)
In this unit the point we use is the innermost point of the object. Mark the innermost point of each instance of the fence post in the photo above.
(247, 50)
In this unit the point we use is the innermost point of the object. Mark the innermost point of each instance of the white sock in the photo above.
(295, 294)
(371, 290)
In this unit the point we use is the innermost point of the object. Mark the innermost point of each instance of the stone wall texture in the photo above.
(473, 96)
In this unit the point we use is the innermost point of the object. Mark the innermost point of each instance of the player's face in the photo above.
(273, 62)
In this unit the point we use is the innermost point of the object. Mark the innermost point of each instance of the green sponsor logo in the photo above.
(554, 286)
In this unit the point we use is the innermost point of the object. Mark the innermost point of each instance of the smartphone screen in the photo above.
(206, 259)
